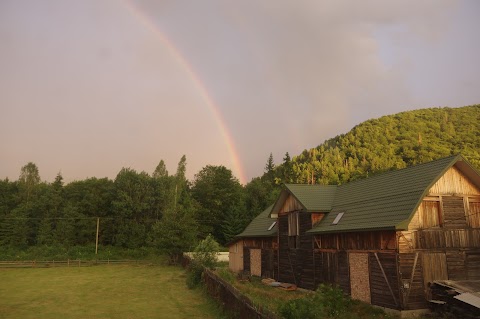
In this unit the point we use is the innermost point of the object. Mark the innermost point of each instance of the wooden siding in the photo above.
(268, 248)
(326, 265)
(269, 263)
(443, 239)
(296, 265)
(473, 211)
(235, 256)
(384, 280)
(454, 212)
(246, 259)
(411, 281)
(290, 205)
(456, 265)
(473, 265)
(380, 240)
(454, 182)
(434, 268)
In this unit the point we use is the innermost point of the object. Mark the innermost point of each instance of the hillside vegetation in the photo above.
(390, 142)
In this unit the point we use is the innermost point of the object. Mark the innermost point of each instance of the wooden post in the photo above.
(96, 239)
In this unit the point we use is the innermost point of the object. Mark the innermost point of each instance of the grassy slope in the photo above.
(100, 292)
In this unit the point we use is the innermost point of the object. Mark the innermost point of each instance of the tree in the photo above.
(133, 205)
(233, 224)
(28, 180)
(175, 234)
(160, 170)
(269, 175)
(218, 192)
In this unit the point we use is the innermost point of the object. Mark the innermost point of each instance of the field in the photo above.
(101, 292)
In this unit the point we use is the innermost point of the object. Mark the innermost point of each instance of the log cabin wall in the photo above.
(442, 240)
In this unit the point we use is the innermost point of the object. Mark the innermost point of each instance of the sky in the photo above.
(88, 87)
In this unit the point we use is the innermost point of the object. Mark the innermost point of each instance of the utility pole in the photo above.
(96, 241)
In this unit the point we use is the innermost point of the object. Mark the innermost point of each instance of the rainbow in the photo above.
(207, 99)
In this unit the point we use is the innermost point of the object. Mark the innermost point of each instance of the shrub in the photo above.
(204, 256)
(194, 274)
(326, 302)
(206, 252)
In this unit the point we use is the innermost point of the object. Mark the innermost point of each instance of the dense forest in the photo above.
(170, 213)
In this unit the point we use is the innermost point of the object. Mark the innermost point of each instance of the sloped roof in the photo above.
(259, 226)
(389, 200)
(313, 198)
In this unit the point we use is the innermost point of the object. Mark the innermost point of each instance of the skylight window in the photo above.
(272, 225)
(337, 219)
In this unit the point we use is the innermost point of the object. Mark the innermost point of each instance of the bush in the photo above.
(194, 274)
(206, 252)
(204, 256)
(326, 302)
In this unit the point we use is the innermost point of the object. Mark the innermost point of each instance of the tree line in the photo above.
(171, 213)
(136, 209)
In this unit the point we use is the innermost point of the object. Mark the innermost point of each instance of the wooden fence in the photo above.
(232, 299)
(67, 263)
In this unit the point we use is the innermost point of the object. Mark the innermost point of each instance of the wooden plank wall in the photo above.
(285, 273)
(296, 265)
(326, 267)
(246, 259)
(269, 263)
(380, 240)
(379, 288)
(343, 277)
(473, 266)
(454, 182)
(453, 212)
(290, 205)
(443, 239)
(411, 281)
(456, 265)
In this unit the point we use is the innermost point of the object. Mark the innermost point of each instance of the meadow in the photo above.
(154, 291)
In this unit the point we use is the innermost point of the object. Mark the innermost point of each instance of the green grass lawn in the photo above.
(101, 292)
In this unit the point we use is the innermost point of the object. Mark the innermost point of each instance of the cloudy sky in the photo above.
(88, 87)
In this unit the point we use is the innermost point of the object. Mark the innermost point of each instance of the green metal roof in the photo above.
(384, 201)
(259, 226)
(313, 198)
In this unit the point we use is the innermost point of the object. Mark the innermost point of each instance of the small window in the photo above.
(337, 219)
(272, 225)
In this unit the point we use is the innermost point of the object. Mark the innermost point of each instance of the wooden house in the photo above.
(254, 251)
(384, 239)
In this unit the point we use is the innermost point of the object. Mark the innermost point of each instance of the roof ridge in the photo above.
(396, 171)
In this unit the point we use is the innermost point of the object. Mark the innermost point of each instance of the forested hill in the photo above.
(390, 142)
